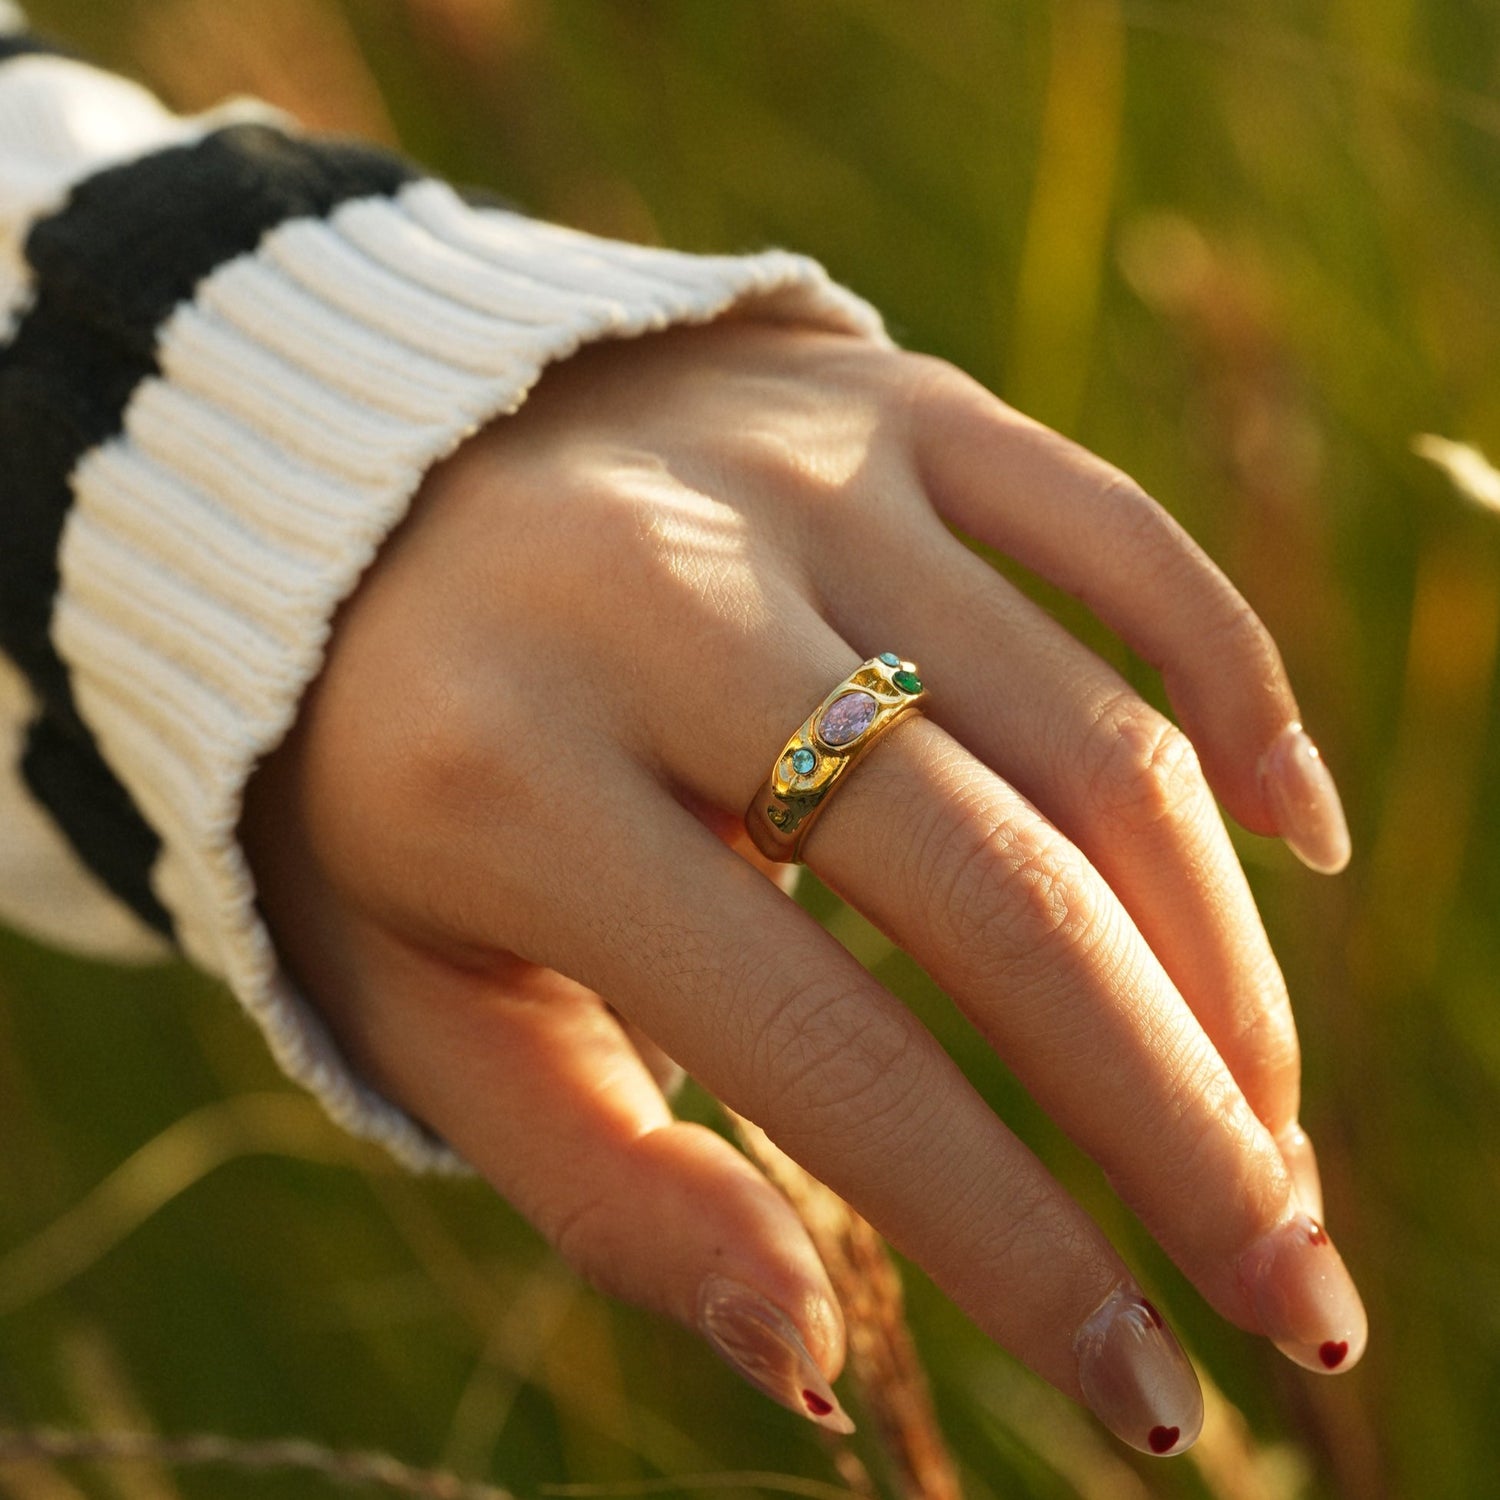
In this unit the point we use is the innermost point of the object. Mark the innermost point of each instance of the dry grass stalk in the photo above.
(39, 1480)
(359, 1469)
(1233, 1465)
(882, 1358)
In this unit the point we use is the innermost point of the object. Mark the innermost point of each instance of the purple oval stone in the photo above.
(846, 718)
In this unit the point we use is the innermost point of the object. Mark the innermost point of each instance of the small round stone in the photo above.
(803, 760)
(908, 682)
(890, 658)
(847, 717)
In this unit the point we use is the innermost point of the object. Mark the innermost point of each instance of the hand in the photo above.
(503, 852)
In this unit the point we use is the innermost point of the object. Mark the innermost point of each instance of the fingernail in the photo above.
(762, 1343)
(1135, 1376)
(1304, 1298)
(1309, 815)
(1302, 1163)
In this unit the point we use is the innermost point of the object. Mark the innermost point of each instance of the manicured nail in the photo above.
(761, 1342)
(1135, 1376)
(1302, 1163)
(1309, 815)
(1305, 1299)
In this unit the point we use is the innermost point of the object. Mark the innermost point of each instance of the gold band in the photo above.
(826, 745)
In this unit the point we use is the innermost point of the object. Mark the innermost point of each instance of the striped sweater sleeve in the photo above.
(229, 351)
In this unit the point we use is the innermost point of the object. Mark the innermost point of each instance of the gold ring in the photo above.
(826, 745)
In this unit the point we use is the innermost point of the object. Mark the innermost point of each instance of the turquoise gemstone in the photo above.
(803, 761)
(890, 658)
(907, 682)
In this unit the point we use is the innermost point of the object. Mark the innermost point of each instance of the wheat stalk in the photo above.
(882, 1358)
(347, 1468)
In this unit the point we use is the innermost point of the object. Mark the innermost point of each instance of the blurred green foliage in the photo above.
(1247, 250)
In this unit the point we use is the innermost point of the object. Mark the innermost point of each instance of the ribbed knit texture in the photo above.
(61, 123)
(299, 396)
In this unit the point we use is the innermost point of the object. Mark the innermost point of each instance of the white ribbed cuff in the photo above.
(304, 394)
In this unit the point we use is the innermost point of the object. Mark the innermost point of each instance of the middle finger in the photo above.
(1117, 777)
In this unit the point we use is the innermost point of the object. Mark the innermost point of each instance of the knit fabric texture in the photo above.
(229, 352)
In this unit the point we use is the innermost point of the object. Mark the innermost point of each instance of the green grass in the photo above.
(1247, 250)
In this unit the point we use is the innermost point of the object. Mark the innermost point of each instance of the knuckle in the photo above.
(581, 1232)
(465, 762)
(650, 546)
(605, 520)
(441, 743)
(1139, 768)
(937, 399)
(1006, 892)
(1007, 1250)
(1229, 630)
(1239, 636)
(1148, 532)
(843, 1065)
(1145, 527)
(836, 1048)
(1209, 1133)
(765, 453)
(1268, 1058)
(1232, 1140)
(1115, 490)
(935, 385)
(971, 1233)
(615, 525)
(930, 380)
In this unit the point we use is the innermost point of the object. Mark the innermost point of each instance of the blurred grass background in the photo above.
(1248, 250)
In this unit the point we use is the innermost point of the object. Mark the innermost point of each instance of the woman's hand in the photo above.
(503, 852)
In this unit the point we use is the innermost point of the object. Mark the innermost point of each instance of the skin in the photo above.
(503, 844)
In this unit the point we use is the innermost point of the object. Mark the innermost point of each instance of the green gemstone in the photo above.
(803, 760)
(907, 682)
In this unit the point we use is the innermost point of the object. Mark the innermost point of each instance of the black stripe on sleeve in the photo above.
(130, 245)
(29, 44)
(67, 775)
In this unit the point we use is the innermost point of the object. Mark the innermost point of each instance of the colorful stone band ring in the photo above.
(827, 744)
